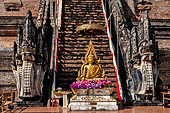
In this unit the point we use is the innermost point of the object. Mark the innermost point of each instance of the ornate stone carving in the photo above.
(143, 61)
(29, 64)
(138, 52)
(12, 5)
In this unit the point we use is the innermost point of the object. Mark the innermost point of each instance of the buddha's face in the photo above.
(91, 59)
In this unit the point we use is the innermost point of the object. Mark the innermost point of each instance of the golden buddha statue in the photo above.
(91, 68)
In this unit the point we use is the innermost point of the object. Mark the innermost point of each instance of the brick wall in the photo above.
(32, 5)
(7, 80)
(9, 30)
(159, 10)
(162, 35)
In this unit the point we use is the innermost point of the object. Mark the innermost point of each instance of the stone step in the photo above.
(28, 104)
(78, 58)
(83, 47)
(75, 73)
(81, 4)
(109, 74)
(70, 60)
(83, 51)
(73, 46)
(83, 41)
(77, 66)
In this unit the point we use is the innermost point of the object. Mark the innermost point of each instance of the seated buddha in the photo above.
(91, 68)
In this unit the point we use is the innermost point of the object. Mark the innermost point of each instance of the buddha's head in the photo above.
(91, 59)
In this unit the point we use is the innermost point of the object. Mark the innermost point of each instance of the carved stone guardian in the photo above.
(138, 50)
(27, 68)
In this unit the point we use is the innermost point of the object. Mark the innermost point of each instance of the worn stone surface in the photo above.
(159, 9)
(124, 109)
(32, 5)
(10, 20)
(162, 35)
(7, 80)
(164, 53)
(92, 103)
(7, 42)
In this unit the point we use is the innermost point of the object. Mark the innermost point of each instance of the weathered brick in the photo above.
(32, 5)
(158, 10)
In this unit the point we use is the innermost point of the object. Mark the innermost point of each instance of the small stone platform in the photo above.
(93, 103)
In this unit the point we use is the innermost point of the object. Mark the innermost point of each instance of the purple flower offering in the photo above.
(91, 84)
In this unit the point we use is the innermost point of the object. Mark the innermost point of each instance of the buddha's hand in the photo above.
(77, 78)
(87, 76)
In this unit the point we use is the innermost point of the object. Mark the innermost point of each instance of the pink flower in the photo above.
(90, 84)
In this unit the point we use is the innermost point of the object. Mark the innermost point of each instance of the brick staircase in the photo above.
(72, 46)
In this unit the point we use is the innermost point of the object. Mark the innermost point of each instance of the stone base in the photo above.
(93, 103)
(20, 103)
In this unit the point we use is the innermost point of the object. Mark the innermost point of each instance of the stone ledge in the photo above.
(16, 20)
(108, 103)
